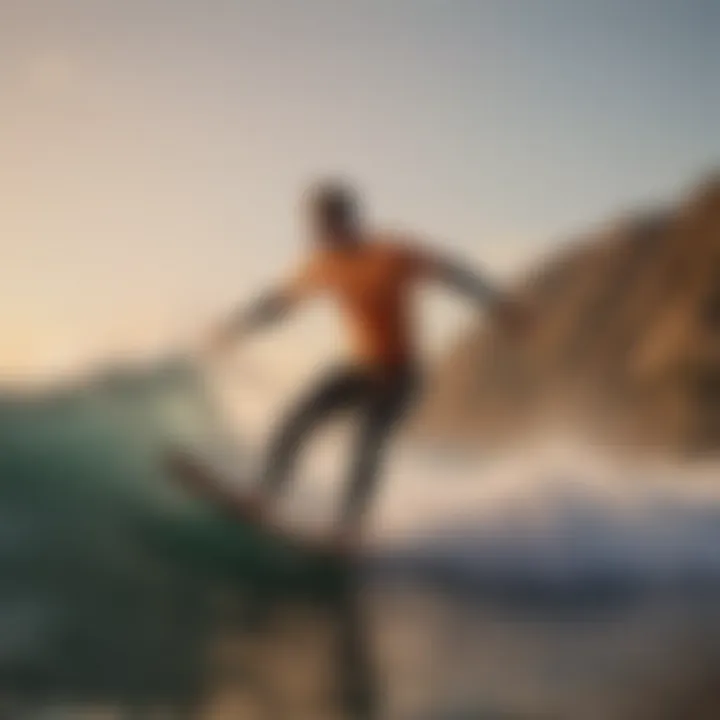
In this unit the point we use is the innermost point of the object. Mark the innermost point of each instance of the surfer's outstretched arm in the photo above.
(463, 279)
(477, 286)
(268, 308)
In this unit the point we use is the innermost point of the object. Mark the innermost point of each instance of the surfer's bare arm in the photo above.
(466, 281)
(267, 309)
(270, 307)
(475, 285)
(455, 275)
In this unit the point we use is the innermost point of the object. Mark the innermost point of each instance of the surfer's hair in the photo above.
(334, 206)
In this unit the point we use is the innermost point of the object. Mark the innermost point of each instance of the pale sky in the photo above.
(152, 151)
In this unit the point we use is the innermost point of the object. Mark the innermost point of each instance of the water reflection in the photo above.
(192, 649)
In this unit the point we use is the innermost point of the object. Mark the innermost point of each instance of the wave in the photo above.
(109, 570)
(82, 476)
(558, 520)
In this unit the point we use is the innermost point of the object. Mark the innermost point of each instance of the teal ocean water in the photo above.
(111, 576)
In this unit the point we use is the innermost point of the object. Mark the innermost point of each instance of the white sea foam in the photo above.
(559, 511)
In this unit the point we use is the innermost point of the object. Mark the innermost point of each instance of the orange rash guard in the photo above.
(372, 285)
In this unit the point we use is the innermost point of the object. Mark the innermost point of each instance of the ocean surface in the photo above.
(553, 582)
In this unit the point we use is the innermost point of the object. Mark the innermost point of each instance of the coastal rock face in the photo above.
(625, 349)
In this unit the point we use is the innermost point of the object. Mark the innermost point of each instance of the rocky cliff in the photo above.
(626, 347)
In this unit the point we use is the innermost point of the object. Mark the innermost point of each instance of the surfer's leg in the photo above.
(340, 390)
(383, 412)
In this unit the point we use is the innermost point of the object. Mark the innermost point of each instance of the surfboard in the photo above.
(205, 482)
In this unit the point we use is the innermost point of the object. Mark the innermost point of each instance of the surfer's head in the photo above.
(334, 214)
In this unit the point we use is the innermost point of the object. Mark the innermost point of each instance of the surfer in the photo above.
(370, 275)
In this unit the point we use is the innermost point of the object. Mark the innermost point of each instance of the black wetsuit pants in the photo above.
(379, 400)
